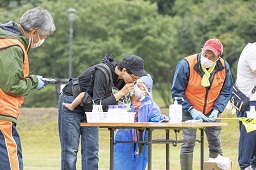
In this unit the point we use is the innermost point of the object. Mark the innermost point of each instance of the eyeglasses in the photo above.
(134, 77)
(210, 55)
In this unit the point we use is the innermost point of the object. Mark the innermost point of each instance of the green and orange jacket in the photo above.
(15, 81)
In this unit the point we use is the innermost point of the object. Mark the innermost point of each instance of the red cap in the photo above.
(214, 45)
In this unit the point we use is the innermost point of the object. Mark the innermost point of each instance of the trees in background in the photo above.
(161, 32)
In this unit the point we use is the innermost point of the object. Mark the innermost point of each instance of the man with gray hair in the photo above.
(15, 81)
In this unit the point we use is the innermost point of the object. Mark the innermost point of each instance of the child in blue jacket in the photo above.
(126, 155)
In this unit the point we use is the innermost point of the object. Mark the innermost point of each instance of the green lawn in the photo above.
(41, 149)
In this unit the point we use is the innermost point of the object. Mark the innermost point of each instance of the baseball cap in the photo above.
(214, 45)
(135, 64)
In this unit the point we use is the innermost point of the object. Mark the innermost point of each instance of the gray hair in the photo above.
(38, 19)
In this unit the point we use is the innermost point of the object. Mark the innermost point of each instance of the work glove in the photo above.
(198, 115)
(214, 114)
(40, 84)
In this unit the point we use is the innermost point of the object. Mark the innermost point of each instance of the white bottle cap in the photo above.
(175, 102)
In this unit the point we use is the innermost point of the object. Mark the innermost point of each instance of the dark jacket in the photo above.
(98, 90)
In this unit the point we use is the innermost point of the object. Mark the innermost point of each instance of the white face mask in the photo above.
(141, 93)
(206, 62)
(138, 92)
(40, 42)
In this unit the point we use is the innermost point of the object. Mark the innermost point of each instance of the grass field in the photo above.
(41, 148)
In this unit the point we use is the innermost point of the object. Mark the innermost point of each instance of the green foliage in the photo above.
(13, 4)
(164, 6)
(161, 32)
(43, 98)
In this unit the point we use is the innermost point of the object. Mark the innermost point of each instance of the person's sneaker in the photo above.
(250, 168)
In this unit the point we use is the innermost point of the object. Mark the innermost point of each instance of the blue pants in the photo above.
(70, 132)
(247, 145)
(10, 146)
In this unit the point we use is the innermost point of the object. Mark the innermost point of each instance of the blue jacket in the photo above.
(181, 78)
(126, 155)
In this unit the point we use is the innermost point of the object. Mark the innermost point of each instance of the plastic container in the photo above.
(251, 113)
(175, 111)
(123, 108)
(124, 116)
(113, 113)
(92, 116)
(128, 117)
(98, 113)
(97, 108)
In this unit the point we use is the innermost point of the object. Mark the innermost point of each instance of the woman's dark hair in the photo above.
(120, 67)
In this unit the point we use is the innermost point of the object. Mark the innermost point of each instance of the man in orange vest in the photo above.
(15, 82)
(205, 83)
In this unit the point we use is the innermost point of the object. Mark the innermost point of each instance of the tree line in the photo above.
(162, 32)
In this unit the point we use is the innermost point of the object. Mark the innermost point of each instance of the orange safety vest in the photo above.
(10, 105)
(203, 98)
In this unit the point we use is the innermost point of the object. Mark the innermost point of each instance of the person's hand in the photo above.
(127, 88)
(213, 115)
(165, 119)
(40, 84)
(197, 115)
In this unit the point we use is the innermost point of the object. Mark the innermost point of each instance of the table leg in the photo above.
(149, 149)
(202, 149)
(141, 145)
(167, 150)
(111, 148)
